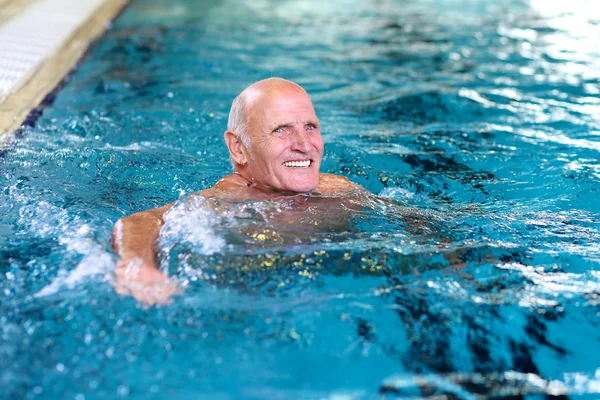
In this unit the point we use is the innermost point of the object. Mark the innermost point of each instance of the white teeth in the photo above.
(297, 164)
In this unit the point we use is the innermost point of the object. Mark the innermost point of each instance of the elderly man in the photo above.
(274, 140)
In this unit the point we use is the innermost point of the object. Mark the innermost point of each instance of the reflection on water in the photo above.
(473, 272)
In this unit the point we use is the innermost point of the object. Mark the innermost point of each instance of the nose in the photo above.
(301, 141)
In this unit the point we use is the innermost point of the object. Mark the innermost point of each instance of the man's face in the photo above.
(286, 147)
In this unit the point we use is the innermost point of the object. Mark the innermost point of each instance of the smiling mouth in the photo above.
(297, 164)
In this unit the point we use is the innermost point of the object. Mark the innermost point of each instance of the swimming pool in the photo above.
(481, 117)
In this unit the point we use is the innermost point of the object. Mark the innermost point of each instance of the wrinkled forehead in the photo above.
(278, 104)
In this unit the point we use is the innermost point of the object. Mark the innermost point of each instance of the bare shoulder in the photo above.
(224, 184)
(334, 184)
(231, 187)
(331, 179)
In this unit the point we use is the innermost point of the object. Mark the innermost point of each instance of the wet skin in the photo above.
(134, 237)
(281, 157)
(285, 146)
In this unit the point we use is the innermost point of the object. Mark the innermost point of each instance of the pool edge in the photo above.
(11, 8)
(17, 106)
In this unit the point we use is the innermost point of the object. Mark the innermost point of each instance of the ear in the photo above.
(237, 150)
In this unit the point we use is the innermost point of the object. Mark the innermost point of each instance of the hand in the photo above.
(144, 282)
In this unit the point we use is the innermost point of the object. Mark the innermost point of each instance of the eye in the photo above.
(278, 130)
(310, 127)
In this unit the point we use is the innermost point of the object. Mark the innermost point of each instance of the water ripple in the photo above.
(473, 275)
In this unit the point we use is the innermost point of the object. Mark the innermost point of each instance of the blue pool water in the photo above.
(474, 273)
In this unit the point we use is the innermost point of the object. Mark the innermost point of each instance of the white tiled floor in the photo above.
(32, 36)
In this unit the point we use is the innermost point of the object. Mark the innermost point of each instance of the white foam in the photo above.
(47, 221)
(396, 193)
(98, 262)
(192, 220)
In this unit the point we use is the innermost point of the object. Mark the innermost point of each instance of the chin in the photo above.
(299, 181)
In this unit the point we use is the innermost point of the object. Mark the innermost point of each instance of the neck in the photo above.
(266, 189)
(243, 179)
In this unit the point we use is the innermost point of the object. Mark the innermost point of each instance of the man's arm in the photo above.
(137, 274)
(134, 237)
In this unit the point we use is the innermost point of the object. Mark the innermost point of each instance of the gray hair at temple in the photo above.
(238, 121)
(238, 117)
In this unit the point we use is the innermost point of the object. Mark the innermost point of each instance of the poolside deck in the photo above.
(40, 42)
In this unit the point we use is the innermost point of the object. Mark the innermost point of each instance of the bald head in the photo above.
(274, 136)
(252, 98)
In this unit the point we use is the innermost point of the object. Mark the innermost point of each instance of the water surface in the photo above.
(474, 273)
